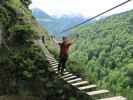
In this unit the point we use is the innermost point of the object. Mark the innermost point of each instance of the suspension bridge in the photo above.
(77, 82)
(81, 84)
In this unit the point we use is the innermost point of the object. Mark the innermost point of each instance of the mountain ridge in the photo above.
(55, 24)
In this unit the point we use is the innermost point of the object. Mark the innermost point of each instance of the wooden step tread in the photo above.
(87, 87)
(80, 83)
(71, 77)
(67, 75)
(115, 98)
(51, 58)
(97, 92)
(55, 66)
(55, 69)
(53, 63)
(74, 80)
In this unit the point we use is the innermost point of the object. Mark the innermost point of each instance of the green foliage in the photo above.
(22, 33)
(7, 74)
(30, 62)
(53, 51)
(129, 72)
(104, 51)
(72, 98)
(26, 2)
(3, 15)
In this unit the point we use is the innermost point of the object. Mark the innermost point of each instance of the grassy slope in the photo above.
(104, 53)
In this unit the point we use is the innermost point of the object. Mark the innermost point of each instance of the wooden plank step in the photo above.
(74, 80)
(53, 62)
(55, 69)
(48, 56)
(87, 87)
(115, 98)
(67, 75)
(93, 93)
(56, 72)
(55, 66)
(80, 83)
(51, 58)
(71, 77)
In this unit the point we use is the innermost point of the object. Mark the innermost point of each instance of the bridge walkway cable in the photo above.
(90, 19)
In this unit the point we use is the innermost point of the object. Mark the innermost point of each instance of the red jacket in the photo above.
(64, 48)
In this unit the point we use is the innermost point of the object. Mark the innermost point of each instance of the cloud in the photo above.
(86, 8)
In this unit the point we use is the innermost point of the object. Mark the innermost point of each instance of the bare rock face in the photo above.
(26, 2)
(2, 1)
(0, 36)
(18, 98)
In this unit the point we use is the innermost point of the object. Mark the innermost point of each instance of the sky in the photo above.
(86, 8)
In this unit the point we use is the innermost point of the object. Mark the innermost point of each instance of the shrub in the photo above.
(21, 34)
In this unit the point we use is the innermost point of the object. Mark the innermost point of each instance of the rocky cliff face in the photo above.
(0, 36)
(23, 66)
(16, 19)
(21, 60)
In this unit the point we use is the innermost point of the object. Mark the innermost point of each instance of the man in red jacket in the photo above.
(64, 48)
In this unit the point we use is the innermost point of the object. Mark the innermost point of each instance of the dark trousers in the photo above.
(62, 63)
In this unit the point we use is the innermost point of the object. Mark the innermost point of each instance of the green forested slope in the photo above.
(23, 65)
(104, 53)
